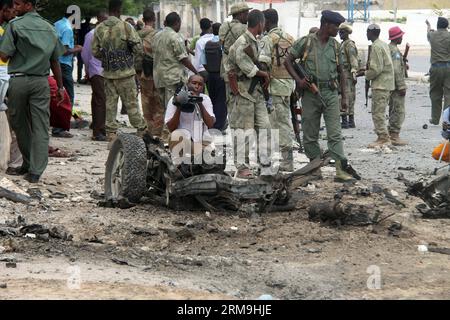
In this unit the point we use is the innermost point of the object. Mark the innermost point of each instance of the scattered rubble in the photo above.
(337, 214)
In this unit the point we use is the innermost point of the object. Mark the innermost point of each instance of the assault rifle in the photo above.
(405, 59)
(258, 80)
(312, 87)
(295, 112)
(368, 81)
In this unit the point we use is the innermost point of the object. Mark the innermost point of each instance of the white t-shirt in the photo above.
(192, 122)
(199, 48)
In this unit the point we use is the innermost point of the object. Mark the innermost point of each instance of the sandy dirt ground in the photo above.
(150, 252)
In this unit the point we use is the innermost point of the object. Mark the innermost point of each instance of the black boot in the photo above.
(344, 123)
(351, 121)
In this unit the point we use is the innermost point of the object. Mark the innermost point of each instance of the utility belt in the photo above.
(332, 84)
(441, 64)
(17, 75)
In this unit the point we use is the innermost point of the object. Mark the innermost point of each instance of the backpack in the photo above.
(213, 53)
(281, 48)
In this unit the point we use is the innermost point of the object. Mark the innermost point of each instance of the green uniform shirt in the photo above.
(321, 61)
(349, 54)
(440, 45)
(381, 69)
(111, 36)
(147, 34)
(278, 87)
(399, 67)
(168, 51)
(31, 43)
(229, 32)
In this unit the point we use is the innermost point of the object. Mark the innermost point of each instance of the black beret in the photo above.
(332, 17)
(442, 23)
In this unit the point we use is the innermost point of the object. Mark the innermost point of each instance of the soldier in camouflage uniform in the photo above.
(170, 59)
(440, 68)
(229, 32)
(381, 75)
(397, 99)
(152, 108)
(116, 43)
(248, 111)
(319, 54)
(274, 47)
(350, 67)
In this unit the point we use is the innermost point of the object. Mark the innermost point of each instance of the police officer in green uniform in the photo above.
(440, 68)
(32, 47)
(319, 54)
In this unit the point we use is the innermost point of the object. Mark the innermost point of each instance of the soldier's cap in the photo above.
(346, 27)
(333, 17)
(395, 33)
(442, 23)
(373, 26)
(238, 8)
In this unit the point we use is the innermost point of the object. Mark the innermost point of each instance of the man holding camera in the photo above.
(116, 43)
(191, 111)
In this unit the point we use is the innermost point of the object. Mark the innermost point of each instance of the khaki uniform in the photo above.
(350, 65)
(321, 63)
(396, 101)
(169, 72)
(110, 46)
(439, 72)
(31, 43)
(381, 75)
(152, 108)
(229, 32)
(248, 111)
(281, 87)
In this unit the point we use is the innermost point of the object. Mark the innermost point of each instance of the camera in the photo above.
(185, 100)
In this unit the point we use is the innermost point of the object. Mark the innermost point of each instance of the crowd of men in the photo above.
(252, 70)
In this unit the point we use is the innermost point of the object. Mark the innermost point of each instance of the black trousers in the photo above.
(98, 105)
(217, 93)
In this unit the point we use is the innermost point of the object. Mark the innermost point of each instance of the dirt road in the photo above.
(149, 252)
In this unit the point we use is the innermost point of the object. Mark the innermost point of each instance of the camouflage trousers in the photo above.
(152, 108)
(380, 100)
(350, 91)
(248, 115)
(127, 91)
(396, 112)
(165, 94)
(280, 119)
(439, 89)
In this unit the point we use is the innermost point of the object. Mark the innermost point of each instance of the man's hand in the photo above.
(266, 77)
(402, 92)
(60, 95)
(78, 48)
(302, 84)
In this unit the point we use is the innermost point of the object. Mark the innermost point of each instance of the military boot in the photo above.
(287, 160)
(381, 141)
(351, 122)
(344, 124)
(341, 175)
(396, 141)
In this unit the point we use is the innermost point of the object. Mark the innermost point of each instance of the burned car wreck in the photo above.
(142, 170)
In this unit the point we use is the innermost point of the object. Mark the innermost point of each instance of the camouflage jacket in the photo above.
(116, 44)
(399, 67)
(147, 34)
(229, 32)
(349, 55)
(381, 69)
(242, 64)
(168, 51)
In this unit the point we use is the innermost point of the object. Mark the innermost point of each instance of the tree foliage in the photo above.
(55, 9)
